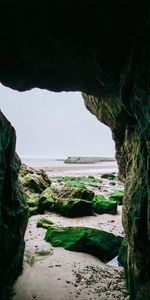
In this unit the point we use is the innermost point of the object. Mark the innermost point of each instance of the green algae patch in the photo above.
(117, 196)
(47, 199)
(75, 185)
(99, 243)
(101, 205)
(73, 207)
(33, 200)
(87, 179)
(33, 204)
(45, 223)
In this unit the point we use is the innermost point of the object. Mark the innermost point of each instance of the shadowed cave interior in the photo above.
(105, 55)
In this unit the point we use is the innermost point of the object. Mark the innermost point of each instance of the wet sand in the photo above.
(51, 273)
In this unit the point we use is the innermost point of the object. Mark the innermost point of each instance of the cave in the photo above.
(101, 49)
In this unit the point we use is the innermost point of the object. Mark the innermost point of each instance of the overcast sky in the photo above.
(54, 125)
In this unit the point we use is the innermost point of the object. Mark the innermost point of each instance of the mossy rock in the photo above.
(117, 196)
(45, 223)
(33, 203)
(109, 176)
(73, 207)
(33, 200)
(72, 193)
(101, 205)
(32, 180)
(99, 243)
(47, 199)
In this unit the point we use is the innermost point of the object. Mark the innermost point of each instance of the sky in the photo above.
(55, 125)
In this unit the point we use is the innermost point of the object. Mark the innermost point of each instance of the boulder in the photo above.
(99, 243)
(73, 207)
(32, 180)
(72, 193)
(117, 196)
(47, 199)
(101, 205)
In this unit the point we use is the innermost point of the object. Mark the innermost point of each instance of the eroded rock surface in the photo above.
(13, 212)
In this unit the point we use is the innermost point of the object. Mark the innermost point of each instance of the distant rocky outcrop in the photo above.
(87, 160)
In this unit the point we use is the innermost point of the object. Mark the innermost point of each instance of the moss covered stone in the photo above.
(72, 193)
(101, 205)
(32, 180)
(73, 207)
(47, 199)
(102, 244)
(45, 223)
(117, 196)
(33, 203)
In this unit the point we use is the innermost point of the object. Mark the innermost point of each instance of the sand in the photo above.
(51, 273)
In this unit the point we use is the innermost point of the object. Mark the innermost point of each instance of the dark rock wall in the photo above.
(133, 155)
(100, 48)
(13, 213)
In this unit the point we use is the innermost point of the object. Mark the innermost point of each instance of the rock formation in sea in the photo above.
(102, 49)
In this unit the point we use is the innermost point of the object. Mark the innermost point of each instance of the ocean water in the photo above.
(42, 161)
(57, 167)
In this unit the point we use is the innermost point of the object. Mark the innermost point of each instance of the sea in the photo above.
(57, 167)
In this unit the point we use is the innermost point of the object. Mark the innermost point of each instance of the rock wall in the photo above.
(133, 157)
(13, 213)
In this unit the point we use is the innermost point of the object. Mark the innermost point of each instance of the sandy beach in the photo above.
(51, 273)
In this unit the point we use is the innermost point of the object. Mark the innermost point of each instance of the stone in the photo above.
(101, 205)
(117, 196)
(73, 207)
(99, 243)
(79, 193)
(47, 199)
(32, 180)
(44, 223)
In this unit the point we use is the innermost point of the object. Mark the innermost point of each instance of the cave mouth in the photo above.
(37, 249)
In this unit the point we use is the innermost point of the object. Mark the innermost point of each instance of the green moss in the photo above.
(73, 207)
(83, 239)
(33, 200)
(75, 185)
(117, 196)
(45, 223)
(103, 206)
(87, 179)
(47, 199)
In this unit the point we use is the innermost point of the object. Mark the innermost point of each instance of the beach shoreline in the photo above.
(51, 273)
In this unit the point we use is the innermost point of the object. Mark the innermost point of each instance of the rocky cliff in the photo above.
(132, 154)
(13, 212)
(100, 48)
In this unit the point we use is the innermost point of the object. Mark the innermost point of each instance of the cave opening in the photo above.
(69, 270)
